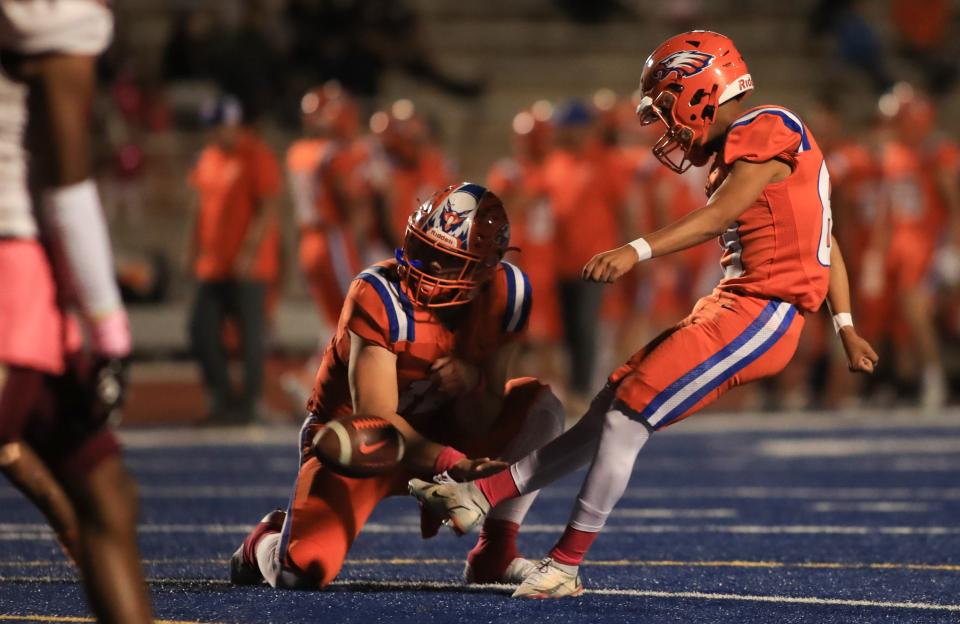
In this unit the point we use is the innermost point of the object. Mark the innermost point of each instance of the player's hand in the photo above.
(608, 266)
(453, 376)
(110, 388)
(861, 358)
(470, 469)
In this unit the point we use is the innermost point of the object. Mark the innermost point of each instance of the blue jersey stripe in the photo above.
(388, 304)
(737, 342)
(408, 310)
(527, 304)
(788, 120)
(511, 295)
(734, 368)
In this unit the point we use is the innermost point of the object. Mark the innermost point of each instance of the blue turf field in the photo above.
(780, 519)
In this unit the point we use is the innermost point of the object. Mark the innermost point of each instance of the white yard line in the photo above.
(10, 531)
(361, 585)
(872, 507)
(790, 448)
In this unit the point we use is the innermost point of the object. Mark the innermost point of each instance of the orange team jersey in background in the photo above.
(584, 204)
(688, 274)
(779, 248)
(325, 183)
(532, 231)
(854, 182)
(231, 187)
(379, 310)
(409, 187)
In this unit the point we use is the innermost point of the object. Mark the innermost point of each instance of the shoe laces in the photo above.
(444, 478)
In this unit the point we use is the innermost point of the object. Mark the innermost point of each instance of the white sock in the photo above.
(268, 557)
(609, 474)
(565, 453)
(543, 423)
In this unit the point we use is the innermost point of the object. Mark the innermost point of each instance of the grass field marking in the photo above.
(791, 448)
(809, 600)
(282, 493)
(496, 588)
(626, 563)
(871, 507)
(69, 618)
(39, 532)
(643, 593)
(660, 512)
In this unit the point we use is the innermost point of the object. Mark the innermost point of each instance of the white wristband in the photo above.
(642, 248)
(841, 320)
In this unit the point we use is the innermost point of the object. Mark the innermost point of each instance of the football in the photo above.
(358, 445)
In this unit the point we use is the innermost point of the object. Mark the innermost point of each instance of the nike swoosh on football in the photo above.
(366, 449)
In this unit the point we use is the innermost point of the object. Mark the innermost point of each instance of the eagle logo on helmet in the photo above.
(453, 222)
(683, 64)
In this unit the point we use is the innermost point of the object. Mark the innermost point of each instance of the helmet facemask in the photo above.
(439, 275)
(678, 137)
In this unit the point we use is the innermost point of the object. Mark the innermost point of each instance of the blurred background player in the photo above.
(767, 183)
(919, 208)
(578, 183)
(330, 205)
(235, 256)
(405, 169)
(425, 340)
(55, 401)
(520, 181)
(324, 175)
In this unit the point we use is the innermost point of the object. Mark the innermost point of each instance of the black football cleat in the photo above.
(244, 569)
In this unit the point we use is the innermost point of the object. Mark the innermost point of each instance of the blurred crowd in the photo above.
(580, 179)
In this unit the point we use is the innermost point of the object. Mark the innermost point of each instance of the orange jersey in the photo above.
(325, 179)
(521, 186)
(585, 199)
(231, 187)
(779, 248)
(379, 310)
(910, 181)
(404, 188)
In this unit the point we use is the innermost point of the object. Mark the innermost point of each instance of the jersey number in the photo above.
(826, 217)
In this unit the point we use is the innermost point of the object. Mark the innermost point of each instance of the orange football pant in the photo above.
(328, 511)
(729, 339)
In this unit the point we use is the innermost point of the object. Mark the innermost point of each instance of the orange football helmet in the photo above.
(330, 111)
(401, 130)
(533, 130)
(453, 244)
(683, 82)
(909, 112)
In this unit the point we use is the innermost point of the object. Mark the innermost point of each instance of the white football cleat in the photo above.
(551, 580)
(463, 504)
(516, 572)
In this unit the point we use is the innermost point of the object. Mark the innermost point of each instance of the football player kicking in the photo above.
(769, 203)
(423, 341)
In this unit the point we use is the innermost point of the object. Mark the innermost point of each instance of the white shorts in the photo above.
(82, 27)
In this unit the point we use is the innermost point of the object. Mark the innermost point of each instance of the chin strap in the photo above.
(398, 254)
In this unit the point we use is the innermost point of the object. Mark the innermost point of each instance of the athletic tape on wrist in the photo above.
(642, 248)
(841, 320)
